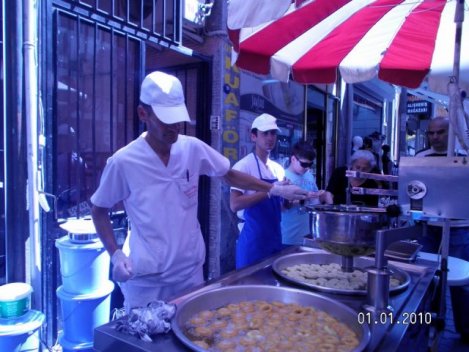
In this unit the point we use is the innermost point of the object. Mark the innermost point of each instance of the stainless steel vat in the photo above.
(234, 294)
(347, 233)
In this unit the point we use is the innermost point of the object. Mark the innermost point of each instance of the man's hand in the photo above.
(324, 197)
(290, 192)
(122, 270)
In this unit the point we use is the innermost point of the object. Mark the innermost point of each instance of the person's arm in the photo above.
(103, 225)
(243, 180)
(240, 200)
(122, 270)
(282, 189)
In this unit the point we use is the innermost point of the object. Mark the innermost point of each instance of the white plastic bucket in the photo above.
(68, 346)
(83, 267)
(21, 334)
(15, 299)
(81, 314)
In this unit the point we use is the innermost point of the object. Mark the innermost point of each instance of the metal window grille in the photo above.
(97, 79)
(158, 21)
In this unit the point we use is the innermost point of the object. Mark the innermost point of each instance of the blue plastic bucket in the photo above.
(81, 314)
(83, 267)
(21, 334)
(68, 346)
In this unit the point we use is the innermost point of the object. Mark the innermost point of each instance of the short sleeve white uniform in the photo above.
(165, 244)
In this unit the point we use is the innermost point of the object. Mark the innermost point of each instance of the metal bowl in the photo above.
(234, 294)
(323, 258)
(83, 237)
(347, 233)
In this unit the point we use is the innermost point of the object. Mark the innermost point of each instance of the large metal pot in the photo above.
(220, 297)
(347, 233)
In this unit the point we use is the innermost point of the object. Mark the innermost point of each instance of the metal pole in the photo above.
(458, 20)
(305, 117)
(31, 100)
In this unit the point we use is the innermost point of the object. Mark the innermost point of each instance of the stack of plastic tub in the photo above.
(19, 324)
(85, 294)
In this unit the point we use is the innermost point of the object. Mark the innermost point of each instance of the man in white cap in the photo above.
(156, 177)
(260, 235)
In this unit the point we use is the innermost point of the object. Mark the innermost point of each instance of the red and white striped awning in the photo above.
(404, 42)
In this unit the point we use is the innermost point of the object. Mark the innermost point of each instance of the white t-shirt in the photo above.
(271, 170)
(165, 244)
(432, 152)
(296, 223)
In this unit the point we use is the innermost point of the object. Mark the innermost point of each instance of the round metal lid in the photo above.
(80, 230)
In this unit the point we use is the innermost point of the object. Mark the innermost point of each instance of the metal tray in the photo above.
(324, 258)
(233, 294)
(403, 250)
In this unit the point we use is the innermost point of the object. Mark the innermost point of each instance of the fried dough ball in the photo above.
(223, 312)
(350, 341)
(206, 314)
(233, 307)
(225, 345)
(218, 324)
(247, 307)
(255, 323)
(326, 347)
(238, 317)
(229, 332)
(203, 331)
(202, 344)
(248, 341)
(197, 321)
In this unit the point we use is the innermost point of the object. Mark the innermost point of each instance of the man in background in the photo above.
(437, 134)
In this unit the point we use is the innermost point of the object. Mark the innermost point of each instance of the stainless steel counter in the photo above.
(384, 335)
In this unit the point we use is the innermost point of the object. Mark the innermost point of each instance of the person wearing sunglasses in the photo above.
(295, 221)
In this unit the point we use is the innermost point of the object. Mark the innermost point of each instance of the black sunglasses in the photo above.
(303, 164)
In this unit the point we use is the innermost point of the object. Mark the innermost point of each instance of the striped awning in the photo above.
(403, 42)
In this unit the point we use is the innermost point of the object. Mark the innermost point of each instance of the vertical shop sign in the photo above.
(230, 108)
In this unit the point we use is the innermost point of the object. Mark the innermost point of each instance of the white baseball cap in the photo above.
(164, 94)
(265, 122)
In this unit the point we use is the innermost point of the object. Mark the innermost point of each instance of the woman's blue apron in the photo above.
(261, 235)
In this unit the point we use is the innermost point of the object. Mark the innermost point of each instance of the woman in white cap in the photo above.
(156, 177)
